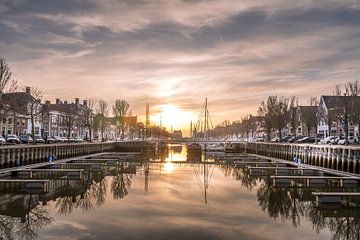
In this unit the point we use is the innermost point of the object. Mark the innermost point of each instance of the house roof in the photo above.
(338, 101)
(18, 101)
(71, 108)
(307, 111)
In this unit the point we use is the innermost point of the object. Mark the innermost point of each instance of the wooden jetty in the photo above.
(333, 197)
(319, 181)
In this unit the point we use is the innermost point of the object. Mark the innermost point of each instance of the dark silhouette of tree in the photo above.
(7, 84)
(87, 114)
(35, 110)
(264, 111)
(121, 110)
(102, 110)
(68, 121)
(293, 114)
(121, 183)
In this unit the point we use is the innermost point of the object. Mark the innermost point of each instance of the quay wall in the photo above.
(343, 158)
(18, 155)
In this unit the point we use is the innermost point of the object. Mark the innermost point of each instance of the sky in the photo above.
(174, 53)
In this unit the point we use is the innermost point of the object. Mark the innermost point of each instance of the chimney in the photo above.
(85, 102)
(28, 90)
(77, 100)
(47, 102)
(65, 102)
(58, 101)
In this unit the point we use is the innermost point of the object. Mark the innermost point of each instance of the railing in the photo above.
(344, 158)
(12, 156)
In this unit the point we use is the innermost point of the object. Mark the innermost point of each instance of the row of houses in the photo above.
(18, 108)
(329, 118)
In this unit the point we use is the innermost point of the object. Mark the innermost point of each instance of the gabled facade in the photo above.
(53, 119)
(306, 120)
(17, 120)
(332, 106)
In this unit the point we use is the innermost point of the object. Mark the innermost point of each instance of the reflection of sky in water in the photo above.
(177, 152)
(173, 208)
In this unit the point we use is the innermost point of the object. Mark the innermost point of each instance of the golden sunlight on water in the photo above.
(169, 167)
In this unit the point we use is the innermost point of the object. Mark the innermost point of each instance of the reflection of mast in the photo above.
(147, 173)
(203, 170)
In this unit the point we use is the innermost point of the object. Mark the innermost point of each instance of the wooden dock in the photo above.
(333, 197)
(320, 181)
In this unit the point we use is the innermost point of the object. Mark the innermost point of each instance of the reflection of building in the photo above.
(177, 134)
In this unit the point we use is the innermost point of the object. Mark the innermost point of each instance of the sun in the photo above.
(172, 116)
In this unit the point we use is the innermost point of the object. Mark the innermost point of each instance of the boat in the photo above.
(214, 148)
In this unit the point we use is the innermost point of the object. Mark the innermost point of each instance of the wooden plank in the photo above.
(23, 180)
(336, 193)
(315, 177)
(50, 170)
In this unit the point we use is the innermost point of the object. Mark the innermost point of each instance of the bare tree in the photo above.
(264, 111)
(68, 121)
(121, 109)
(279, 111)
(87, 114)
(337, 91)
(293, 114)
(34, 108)
(352, 88)
(314, 101)
(7, 84)
(102, 109)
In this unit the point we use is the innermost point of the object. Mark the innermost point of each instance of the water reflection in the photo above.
(175, 198)
(297, 205)
(23, 218)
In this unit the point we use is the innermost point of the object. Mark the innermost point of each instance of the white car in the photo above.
(11, 138)
(351, 140)
(327, 140)
(2, 140)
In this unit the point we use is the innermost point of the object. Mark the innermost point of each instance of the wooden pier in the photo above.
(343, 158)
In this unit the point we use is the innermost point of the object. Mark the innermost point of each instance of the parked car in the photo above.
(337, 139)
(2, 140)
(50, 140)
(308, 139)
(25, 138)
(327, 140)
(11, 138)
(286, 139)
(39, 139)
(275, 139)
(58, 139)
(78, 140)
(351, 140)
(294, 139)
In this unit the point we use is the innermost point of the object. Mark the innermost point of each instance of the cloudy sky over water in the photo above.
(174, 53)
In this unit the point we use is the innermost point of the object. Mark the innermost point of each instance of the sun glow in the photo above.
(169, 167)
(172, 116)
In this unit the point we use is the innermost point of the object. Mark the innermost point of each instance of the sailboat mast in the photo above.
(205, 120)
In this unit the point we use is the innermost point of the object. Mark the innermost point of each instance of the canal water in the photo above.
(170, 199)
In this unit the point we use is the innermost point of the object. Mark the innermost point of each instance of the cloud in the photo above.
(178, 52)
